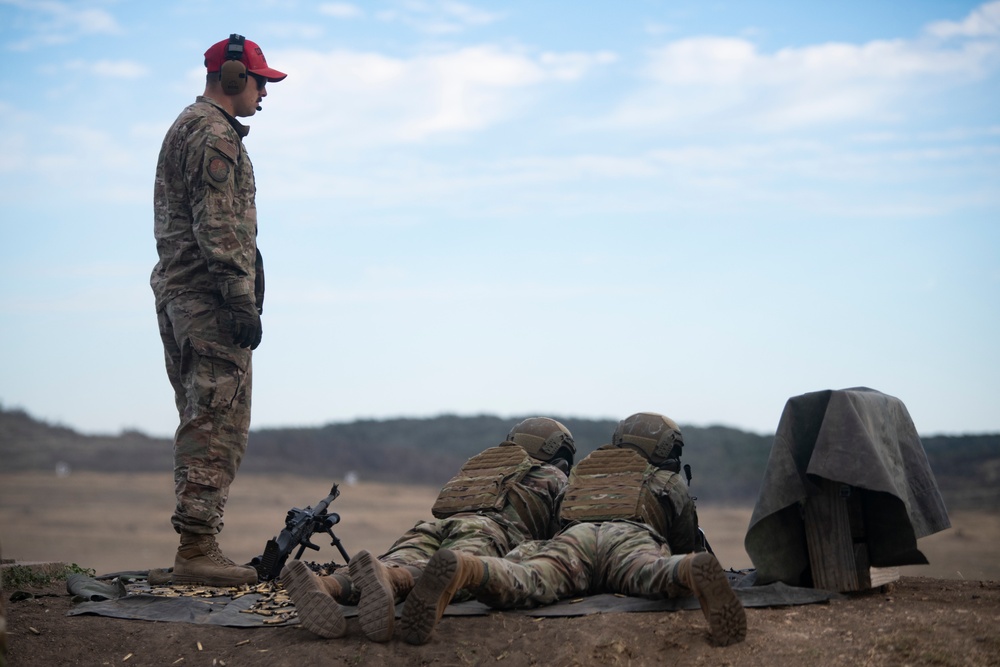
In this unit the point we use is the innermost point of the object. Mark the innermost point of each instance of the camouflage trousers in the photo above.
(211, 378)
(584, 559)
(475, 534)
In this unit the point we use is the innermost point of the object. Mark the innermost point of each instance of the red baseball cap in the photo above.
(252, 57)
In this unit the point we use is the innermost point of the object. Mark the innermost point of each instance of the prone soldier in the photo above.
(500, 498)
(632, 529)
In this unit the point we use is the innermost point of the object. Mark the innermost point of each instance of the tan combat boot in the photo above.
(380, 587)
(318, 611)
(446, 573)
(200, 561)
(702, 575)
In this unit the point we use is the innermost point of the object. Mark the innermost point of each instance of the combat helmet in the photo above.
(544, 439)
(655, 436)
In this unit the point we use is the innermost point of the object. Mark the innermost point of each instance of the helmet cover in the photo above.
(543, 438)
(655, 436)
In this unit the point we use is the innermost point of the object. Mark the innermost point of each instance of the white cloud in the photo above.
(726, 78)
(467, 14)
(90, 149)
(52, 22)
(438, 18)
(703, 60)
(573, 66)
(981, 22)
(91, 163)
(340, 10)
(121, 69)
(377, 99)
(655, 28)
(93, 21)
(724, 61)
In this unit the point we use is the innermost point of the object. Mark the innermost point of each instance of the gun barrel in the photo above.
(322, 505)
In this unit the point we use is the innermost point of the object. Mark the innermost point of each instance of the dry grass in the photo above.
(116, 522)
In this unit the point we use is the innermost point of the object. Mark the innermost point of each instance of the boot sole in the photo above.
(420, 611)
(720, 605)
(377, 605)
(318, 613)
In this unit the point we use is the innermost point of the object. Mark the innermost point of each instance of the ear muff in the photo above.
(233, 74)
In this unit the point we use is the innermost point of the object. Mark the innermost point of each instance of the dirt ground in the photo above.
(947, 613)
(918, 621)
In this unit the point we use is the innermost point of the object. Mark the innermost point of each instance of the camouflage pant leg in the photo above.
(470, 533)
(543, 573)
(212, 386)
(636, 561)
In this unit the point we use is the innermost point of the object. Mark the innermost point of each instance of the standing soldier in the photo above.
(209, 289)
(500, 498)
(631, 521)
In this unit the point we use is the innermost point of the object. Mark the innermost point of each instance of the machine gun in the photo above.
(300, 526)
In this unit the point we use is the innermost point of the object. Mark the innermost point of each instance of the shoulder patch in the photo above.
(227, 148)
(218, 169)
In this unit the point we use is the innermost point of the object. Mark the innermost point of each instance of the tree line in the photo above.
(727, 464)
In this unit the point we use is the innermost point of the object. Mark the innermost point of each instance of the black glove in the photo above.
(247, 331)
(258, 282)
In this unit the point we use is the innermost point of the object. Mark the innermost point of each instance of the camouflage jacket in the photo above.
(547, 483)
(604, 494)
(205, 218)
(682, 517)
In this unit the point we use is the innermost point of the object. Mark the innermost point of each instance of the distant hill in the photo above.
(728, 464)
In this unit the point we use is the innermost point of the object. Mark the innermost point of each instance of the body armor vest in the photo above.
(613, 484)
(489, 482)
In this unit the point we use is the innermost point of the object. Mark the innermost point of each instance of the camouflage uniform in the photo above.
(616, 556)
(481, 533)
(500, 497)
(205, 227)
(629, 518)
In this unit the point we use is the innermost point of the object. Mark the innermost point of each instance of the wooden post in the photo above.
(837, 540)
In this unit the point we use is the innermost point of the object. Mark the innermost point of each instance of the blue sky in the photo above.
(575, 208)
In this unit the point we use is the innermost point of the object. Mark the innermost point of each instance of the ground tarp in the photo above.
(137, 602)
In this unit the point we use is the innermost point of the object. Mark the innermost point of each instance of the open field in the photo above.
(116, 522)
(942, 615)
